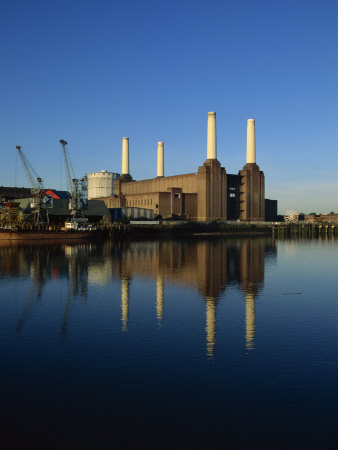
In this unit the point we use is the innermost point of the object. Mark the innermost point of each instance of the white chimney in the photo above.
(125, 156)
(160, 159)
(251, 142)
(211, 143)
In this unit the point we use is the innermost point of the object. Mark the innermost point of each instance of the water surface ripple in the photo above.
(213, 342)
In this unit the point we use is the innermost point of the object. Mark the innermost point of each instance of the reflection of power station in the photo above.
(211, 283)
(206, 265)
(251, 278)
(124, 302)
(250, 321)
(159, 297)
(210, 325)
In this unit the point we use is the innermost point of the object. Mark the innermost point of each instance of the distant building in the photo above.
(321, 218)
(328, 218)
(11, 193)
(270, 210)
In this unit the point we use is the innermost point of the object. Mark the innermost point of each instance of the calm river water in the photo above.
(214, 343)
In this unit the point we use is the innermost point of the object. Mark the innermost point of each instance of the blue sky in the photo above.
(91, 72)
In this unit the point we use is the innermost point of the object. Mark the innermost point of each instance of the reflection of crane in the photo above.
(38, 270)
(38, 205)
(77, 278)
(76, 187)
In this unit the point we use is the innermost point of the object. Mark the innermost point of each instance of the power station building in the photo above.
(207, 195)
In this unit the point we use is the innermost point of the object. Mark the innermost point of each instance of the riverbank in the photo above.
(14, 235)
(218, 229)
(174, 229)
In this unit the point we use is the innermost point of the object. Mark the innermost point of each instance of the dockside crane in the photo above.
(76, 187)
(38, 201)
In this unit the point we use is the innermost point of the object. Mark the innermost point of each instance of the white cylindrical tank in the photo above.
(100, 184)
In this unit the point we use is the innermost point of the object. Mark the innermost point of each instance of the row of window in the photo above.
(149, 202)
(144, 202)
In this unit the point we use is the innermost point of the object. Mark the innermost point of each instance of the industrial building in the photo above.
(57, 204)
(207, 195)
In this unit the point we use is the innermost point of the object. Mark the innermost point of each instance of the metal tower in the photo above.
(38, 201)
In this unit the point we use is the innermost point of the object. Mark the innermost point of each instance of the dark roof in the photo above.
(233, 178)
(10, 193)
(60, 207)
(95, 208)
(59, 194)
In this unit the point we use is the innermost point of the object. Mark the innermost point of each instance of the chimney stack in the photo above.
(251, 143)
(211, 143)
(125, 156)
(160, 159)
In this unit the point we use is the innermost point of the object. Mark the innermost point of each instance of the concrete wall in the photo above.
(252, 193)
(190, 205)
(187, 182)
(163, 205)
(136, 213)
(201, 196)
(212, 191)
(141, 200)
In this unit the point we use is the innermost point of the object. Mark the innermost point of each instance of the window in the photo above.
(232, 195)
(177, 195)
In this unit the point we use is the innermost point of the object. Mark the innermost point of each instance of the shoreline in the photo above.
(127, 231)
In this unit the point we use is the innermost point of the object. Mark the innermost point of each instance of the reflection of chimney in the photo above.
(125, 156)
(211, 143)
(251, 143)
(124, 303)
(250, 321)
(211, 326)
(159, 297)
(160, 159)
